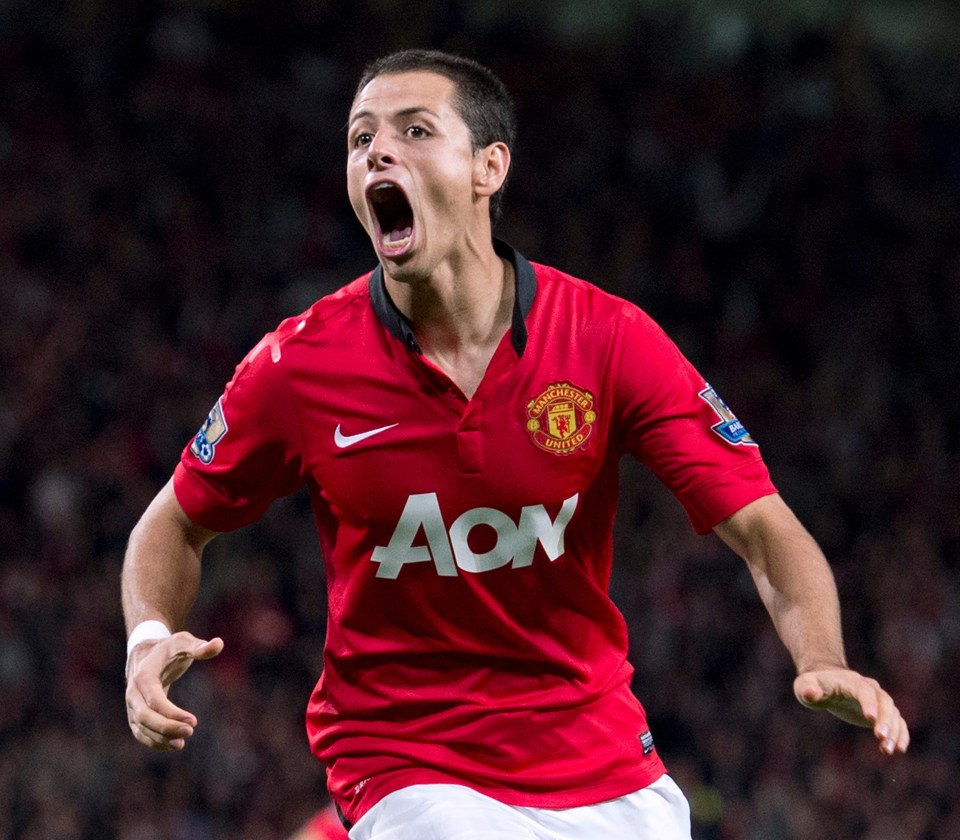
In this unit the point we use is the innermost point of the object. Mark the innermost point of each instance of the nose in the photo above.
(379, 152)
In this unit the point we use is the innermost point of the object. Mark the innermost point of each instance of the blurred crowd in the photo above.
(786, 204)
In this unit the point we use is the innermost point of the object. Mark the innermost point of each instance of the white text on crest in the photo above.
(448, 550)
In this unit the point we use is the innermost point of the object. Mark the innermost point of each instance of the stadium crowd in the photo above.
(787, 205)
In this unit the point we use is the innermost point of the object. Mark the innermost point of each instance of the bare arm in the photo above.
(161, 570)
(161, 575)
(797, 587)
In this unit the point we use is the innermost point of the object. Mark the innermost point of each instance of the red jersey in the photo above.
(468, 543)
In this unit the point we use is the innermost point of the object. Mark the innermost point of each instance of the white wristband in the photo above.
(147, 631)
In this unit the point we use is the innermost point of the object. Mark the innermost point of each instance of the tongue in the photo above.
(398, 235)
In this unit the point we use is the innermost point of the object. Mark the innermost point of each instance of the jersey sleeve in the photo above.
(248, 452)
(679, 428)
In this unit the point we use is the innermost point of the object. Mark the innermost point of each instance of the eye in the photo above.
(362, 138)
(417, 132)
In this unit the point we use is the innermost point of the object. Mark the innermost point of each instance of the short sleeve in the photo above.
(678, 426)
(247, 453)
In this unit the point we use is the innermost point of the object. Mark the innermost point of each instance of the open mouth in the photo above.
(393, 217)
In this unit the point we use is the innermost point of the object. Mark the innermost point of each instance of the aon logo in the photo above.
(515, 543)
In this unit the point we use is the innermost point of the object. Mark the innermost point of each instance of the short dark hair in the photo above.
(481, 99)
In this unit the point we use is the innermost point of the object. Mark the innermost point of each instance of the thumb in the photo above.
(208, 649)
(188, 649)
(807, 689)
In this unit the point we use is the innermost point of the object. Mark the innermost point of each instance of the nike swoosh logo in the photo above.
(343, 441)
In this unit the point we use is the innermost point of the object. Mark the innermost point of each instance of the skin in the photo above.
(458, 294)
(404, 128)
(797, 587)
(160, 579)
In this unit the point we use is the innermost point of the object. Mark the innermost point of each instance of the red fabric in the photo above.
(471, 637)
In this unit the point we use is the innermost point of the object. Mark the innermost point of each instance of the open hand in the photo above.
(153, 667)
(855, 699)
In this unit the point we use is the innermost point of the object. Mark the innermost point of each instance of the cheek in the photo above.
(452, 191)
(356, 200)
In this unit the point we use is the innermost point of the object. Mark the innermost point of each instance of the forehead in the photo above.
(394, 92)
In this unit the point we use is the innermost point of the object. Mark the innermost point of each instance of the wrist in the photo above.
(825, 664)
(146, 631)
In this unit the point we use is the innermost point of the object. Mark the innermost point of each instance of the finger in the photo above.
(155, 727)
(886, 727)
(904, 740)
(891, 729)
(156, 731)
(165, 727)
(208, 650)
(154, 740)
(869, 695)
(150, 697)
(149, 706)
(186, 650)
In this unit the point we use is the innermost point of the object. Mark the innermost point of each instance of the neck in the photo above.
(460, 317)
(463, 304)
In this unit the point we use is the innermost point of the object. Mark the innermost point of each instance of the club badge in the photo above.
(561, 419)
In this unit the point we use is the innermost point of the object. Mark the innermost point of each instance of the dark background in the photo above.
(780, 190)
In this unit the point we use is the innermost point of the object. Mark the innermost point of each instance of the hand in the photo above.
(855, 699)
(153, 667)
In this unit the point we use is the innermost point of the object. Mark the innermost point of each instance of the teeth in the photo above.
(379, 188)
(396, 244)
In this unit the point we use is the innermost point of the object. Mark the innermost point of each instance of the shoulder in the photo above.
(557, 289)
(327, 321)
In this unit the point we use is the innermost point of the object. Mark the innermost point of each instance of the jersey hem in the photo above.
(373, 792)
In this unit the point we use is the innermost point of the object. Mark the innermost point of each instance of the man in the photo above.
(458, 416)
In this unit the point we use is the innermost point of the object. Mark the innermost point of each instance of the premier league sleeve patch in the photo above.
(214, 428)
(729, 427)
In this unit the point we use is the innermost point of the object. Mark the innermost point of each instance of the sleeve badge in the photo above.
(214, 428)
(729, 427)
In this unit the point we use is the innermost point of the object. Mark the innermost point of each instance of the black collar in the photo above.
(398, 325)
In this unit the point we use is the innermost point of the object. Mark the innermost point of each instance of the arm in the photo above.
(797, 587)
(160, 578)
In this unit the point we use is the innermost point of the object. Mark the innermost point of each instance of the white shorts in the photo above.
(452, 812)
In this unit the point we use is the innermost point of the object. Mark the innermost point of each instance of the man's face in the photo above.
(411, 170)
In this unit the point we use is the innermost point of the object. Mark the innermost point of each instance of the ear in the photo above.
(490, 166)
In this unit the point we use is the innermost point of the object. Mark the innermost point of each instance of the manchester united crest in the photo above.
(561, 419)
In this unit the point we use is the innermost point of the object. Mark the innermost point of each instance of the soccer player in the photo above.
(457, 416)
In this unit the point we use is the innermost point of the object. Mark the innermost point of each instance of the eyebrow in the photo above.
(403, 112)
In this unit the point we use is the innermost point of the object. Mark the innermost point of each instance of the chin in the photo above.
(408, 266)
(404, 272)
